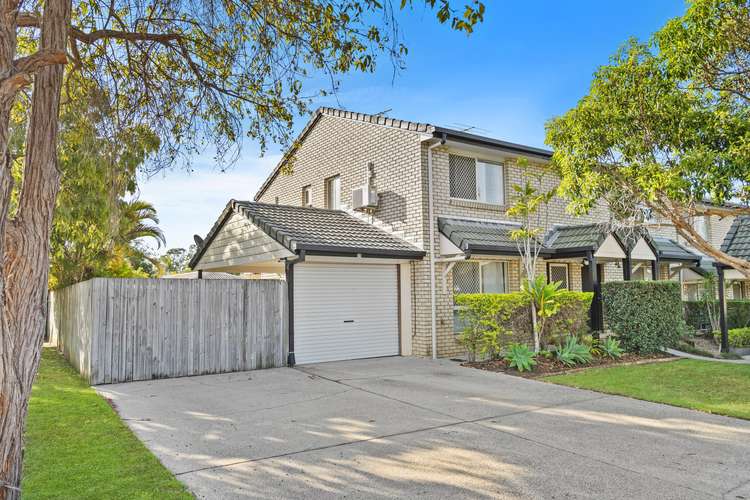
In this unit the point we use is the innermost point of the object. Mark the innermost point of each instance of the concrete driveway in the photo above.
(406, 427)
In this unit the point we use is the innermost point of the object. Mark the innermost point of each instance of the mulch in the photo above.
(546, 366)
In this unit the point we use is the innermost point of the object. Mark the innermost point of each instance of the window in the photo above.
(307, 196)
(480, 277)
(477, 277)
(333, 192)
(736, 290)
(473, 179)
(558, 272)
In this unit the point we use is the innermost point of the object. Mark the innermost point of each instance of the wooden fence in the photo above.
(118, 330)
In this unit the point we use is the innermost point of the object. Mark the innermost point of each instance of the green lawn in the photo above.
(708, 386)
(77, 446)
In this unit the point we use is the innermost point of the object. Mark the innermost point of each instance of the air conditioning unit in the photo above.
(364, 197)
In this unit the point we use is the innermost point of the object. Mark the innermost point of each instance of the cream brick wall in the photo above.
(444, 206)
(344, 147)
(338, 145)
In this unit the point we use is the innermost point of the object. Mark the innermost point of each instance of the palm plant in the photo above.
(138, 219)
(545, 303)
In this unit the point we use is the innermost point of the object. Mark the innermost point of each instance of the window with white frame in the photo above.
(333, 192)
(736, 290)
(477, 277)
(307, 196)
(559, 272)
(476, 180)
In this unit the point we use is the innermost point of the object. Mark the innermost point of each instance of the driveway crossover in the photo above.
(404, 427)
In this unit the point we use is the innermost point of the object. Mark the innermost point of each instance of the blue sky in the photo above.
(528, 62)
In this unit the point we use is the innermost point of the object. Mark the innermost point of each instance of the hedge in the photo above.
(645, 315)
(738, 337)
(510, 315)
(738, 313)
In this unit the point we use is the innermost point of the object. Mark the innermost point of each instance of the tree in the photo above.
(195, 73)
(532, 207)
(177, 260)
(666, 125)
(97, 171)
(709, 298)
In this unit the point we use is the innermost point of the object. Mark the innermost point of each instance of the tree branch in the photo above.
(25, 67)
(131, 36)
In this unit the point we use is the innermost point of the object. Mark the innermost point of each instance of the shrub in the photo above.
(610, 347)
(645, 315)
(573, 352)
(571, 319)
(738, 337)
(738, 314)
(493, 321)
(520, 357)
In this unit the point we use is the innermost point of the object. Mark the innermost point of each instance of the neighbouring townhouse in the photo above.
(376, 223)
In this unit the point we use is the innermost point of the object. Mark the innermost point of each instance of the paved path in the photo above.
(407, 427)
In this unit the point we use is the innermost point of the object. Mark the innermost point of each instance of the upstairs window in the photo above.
(333, 193)
(476, 180)
(307, 196)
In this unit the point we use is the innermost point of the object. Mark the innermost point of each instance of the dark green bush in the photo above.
(645, 315)
(738, 314)
(492, 321)
(738, 337)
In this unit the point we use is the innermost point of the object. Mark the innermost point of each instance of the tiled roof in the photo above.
(588, 236)
(316, 230)
(479, 236)
(737, 241)
(668, 249)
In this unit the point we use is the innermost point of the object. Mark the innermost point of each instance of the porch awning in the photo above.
(578, 241)
(476, 237)
(668, 250)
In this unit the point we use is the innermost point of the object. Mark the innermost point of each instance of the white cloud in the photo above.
(189, 203)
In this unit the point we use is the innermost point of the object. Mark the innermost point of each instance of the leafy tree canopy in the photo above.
(666, 125)
(205, 73)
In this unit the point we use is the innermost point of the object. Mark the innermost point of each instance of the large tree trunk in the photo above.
(25, 252)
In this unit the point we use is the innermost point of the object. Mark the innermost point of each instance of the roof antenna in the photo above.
(384, 112)
(468, 128)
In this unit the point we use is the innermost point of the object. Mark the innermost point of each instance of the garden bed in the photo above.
(551, 366)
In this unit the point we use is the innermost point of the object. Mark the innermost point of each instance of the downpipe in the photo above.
(431, 215)
(289, 271)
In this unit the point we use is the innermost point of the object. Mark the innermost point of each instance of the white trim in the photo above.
(405, 312)
(610, 249)
(447, 247)
(642, 251)
(477, 161)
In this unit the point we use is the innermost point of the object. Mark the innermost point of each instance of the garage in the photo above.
(348, 280)
(345, 311)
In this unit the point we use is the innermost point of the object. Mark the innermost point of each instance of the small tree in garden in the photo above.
(708, 297)
(532, 207)
(544, 298)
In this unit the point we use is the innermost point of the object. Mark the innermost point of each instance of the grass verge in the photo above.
(709, 386)
(77, 446)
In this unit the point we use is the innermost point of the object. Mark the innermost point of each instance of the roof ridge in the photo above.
(378, 119)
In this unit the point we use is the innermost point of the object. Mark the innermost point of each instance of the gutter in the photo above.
(289, 271)
(431, 215)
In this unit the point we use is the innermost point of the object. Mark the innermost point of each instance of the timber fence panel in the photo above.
(117, 330)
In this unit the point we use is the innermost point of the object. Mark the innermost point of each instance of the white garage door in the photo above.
(345, 311)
